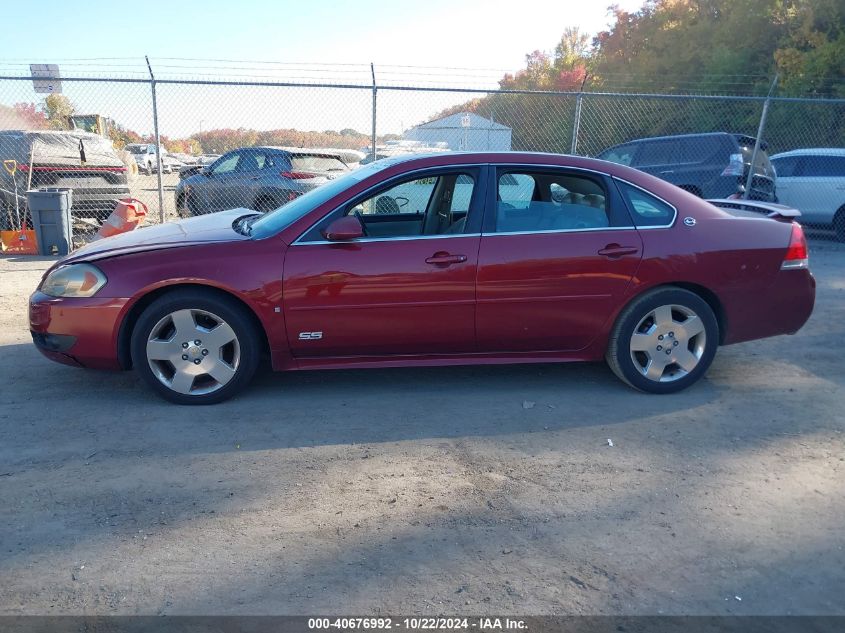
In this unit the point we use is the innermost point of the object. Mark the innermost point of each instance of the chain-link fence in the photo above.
(199, 145)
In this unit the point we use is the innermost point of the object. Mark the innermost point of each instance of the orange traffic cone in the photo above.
(129, 214)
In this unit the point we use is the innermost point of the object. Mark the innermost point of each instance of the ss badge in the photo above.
(310, 336)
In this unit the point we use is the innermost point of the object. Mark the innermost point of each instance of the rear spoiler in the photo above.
(770, 209)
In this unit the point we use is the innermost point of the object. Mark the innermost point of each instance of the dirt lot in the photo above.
(426, 491)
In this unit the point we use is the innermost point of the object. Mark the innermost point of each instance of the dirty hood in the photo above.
(214, 227)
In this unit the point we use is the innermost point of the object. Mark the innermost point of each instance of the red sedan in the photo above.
(433, 260)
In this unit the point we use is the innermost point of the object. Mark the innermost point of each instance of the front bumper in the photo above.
(76, 331)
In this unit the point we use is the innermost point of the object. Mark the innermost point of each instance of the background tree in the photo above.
(57, 108)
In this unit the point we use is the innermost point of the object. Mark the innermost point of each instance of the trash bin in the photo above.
(49, 208)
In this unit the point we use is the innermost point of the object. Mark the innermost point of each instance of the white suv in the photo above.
(145, 155)
(813, 181)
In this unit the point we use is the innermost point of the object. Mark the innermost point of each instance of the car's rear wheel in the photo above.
(839, 224)
(195, 347)
(664, 341)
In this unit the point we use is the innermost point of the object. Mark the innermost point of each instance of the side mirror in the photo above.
(344, 229)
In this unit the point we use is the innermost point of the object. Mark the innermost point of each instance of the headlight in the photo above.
(75, 280)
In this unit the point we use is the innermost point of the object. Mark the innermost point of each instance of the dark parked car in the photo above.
(260, 178)
(713, 165)
(85, 162)
(476, 258)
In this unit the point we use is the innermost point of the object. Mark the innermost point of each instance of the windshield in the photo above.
(275, 221)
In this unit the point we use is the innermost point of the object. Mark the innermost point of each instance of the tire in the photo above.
(174, 368)
(192, 209)
(839, 224)
(148, 170)
(182, 209)
(671, 321)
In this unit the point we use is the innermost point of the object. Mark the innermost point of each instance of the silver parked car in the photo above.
(813, 181)
(260, 178)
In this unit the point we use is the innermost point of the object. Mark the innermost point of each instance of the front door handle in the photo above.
(615, 250)
(445, 259)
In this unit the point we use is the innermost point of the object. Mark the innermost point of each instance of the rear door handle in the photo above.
(615, 250)
(445, 259)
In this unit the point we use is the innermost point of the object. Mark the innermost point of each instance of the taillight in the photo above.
(797, 255)
(735, 167)
(297, 175)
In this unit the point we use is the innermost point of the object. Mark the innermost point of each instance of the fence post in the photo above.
(158, 143)
(375, 90)
(750, 177)
(576, 124)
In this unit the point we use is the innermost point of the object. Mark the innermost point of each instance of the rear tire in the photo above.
(182, 209)
(663, 341)
(196, 347)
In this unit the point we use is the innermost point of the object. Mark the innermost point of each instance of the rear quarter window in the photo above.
(646, 209)
(824, 166)
(699, 150)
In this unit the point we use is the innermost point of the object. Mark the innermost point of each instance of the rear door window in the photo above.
(657, 153)
(786, 167)
(516, 190)
(549, 201)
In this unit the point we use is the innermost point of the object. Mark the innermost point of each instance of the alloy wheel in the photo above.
(668, 343)
(193, 352)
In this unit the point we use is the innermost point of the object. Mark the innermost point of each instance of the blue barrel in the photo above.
(49, 208)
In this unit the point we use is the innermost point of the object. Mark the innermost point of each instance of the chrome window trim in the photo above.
(549, 231)
(298, 242)
(405, 238)
(402, 238)
(653, 195)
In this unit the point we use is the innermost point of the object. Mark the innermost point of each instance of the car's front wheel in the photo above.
(195, 347)
(663, 341)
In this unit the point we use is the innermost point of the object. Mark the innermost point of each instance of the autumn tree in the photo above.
(57, 108)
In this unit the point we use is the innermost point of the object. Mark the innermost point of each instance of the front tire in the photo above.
(664, 341)
(195, 347)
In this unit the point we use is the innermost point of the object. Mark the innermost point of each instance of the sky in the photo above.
(436, 42)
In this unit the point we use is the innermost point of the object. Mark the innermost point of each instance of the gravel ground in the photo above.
(429, 491)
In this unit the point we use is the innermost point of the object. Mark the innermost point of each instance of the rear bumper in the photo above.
(79, 332)
(784, 309)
